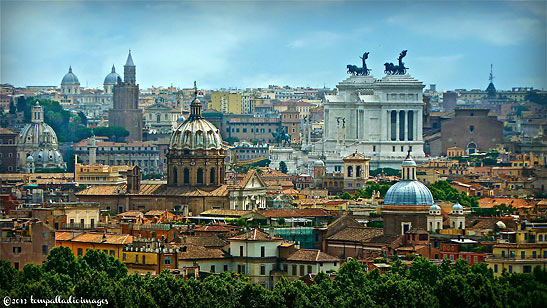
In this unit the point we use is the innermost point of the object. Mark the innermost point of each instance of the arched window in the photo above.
(175, 176)
(186, 176)
(358, 171)
(350, 171)
(200, 176)
(212, 177)
(540, 238)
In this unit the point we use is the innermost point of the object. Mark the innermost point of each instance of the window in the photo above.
(393, 149)
(540, 238)
(212, 176)
(200, 176)
(527, 269)
(373, 148)
(294, 269)
(285, 268)
(212, 269)
(475, 259)
(144, 259)
(124, 256)
(16, 249)
(350, 171)
(495, 268)
(523, 254)
(534, 254)
(136, 258)
(80, 252)
(44, 249)
(186, 176)
(241, 251)
(167, 260)
(262, 251)
(510, 268)
(309, 269)
(225, 267)
(471, 128)
(16, 265)
(262, 270)
(301, 270)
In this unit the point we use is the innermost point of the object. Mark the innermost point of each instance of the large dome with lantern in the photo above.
(196, 132)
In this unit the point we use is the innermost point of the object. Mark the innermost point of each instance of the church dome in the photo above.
(319, 163)
(434, 207)
(457, 206)
(111, 78)
(70, 78)
(47, 158)
(196, 132)
(34, 133)
(408, 193)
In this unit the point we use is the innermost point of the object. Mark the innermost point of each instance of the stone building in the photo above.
(125, 112)
(407, 203)
(356, 171)
(8, 151)
(142, 154)
(32, 241)
(160, 119)
(290, 121)
(471, 129)
(381, 118)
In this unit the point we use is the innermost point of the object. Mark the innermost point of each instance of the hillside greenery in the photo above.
(100, 276)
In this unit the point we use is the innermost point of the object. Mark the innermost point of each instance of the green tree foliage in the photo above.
(442, 190)
(386, 171)
(114, 133)
(283, 167)
(424, 284)
(370, 188)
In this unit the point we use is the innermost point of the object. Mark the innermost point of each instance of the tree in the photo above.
(12, 108)
(83, 118)
(283, 167)
(231, 140)
(281, 221)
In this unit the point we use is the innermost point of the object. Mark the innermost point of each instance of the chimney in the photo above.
(271, 234)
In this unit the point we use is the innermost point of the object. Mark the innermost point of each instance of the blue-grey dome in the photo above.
(409, 193)
(457, 206)
(319, 163)
(111, 78)
(70, 78)
(434, 207)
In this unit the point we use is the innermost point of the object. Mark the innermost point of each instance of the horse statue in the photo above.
(359, 71)
(392, 69)
(282, 137)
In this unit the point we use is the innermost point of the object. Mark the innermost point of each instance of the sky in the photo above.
(246, 44)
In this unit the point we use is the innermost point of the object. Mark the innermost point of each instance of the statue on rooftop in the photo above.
(359, 71)
(392, 69)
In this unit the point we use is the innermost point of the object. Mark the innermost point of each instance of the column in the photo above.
(419, 123)
(415, 125)
(388, 125)
(396, 125)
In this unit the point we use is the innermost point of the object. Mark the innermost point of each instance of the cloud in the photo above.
(491, 28)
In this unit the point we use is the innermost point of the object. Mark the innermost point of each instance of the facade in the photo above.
(125, 112)
(244, 151)
(381, 118)
(290, 121)
(8, 151)
(31, 242)
(79, 243)
(356, 171)
(160, 119)
(250, 128)
(407, 203)
(142, 154)
(37, 146)
(471, 129)
(227, 102)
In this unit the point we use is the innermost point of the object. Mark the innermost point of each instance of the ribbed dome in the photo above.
(35, 133)
(70, 78)
(196, 134)
(111, 78)
(409, 193)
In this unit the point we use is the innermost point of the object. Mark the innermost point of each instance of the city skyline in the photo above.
(256, 44)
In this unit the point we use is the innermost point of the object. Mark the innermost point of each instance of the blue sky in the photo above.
(242, 44)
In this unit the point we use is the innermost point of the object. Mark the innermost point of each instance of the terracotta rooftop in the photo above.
(222, 212)
(515, 202)
(155, 213)
(212, 229)
(63, 235)
(156, 189)
(205, 241)
(115, 239)
(353, 234)
(194, 252)
(289, 213)
(256, 235)
(6, 131)
(312, 255)
(130, 214)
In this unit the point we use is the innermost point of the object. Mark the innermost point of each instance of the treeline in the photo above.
(100, 276)
(68, 126)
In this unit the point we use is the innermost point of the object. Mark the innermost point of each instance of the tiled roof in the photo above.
(288, 213)
(200, 252)
(312, 255)
(156, 189)
(6, 131)
(63, 235)
(515, 202)
(115, 239)
(353, 234)
(130, 214)
(221, 212)
(155, 213)
(256, 235)
(490, 222)
(205, 241)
